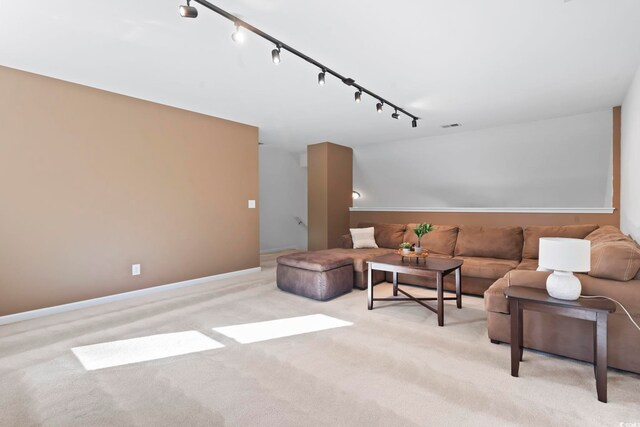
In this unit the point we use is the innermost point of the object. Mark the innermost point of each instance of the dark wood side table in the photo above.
(596, 310)
(440, 266)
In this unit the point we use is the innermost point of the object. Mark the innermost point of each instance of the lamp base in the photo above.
(564, 285)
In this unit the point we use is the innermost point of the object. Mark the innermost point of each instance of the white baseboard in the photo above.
(47, 311)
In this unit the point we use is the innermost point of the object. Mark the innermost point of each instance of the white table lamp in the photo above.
(564, 256)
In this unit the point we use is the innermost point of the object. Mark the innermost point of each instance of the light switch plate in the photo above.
(252, 204)
(135, 270)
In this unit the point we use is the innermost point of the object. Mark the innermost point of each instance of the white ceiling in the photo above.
(481, 63)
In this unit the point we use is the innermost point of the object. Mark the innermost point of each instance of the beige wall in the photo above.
(329, 187)
(93, 182)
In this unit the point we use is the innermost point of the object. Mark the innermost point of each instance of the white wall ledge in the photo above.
(489, 210)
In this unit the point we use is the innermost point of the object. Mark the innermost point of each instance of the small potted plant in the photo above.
(421, 230)
(406, 248)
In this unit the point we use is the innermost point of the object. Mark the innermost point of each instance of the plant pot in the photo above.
(406, 251)
(417, 250)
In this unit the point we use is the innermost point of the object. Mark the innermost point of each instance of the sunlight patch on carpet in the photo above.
(134, 350)
(262, 331)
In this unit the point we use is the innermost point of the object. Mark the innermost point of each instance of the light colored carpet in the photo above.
(393, 367)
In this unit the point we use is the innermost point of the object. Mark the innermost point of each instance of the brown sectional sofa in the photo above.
(488, 252)
(497, 257)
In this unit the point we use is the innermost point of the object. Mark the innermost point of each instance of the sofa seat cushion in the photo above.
(528, 264)
(359, 257)
(442, 240)
(315, 261)
(487, 268)
(533, 233)
(387, 235)
(489, 242)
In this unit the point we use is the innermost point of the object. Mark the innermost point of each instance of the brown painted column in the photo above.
(329, 187)
(617, 124)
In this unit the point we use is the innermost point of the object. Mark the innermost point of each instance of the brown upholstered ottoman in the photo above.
(320, 276)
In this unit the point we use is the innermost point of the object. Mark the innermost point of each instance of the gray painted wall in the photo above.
(561, 162)
(283, 197)
(630, 156)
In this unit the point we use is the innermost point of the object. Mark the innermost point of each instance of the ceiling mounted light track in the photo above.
(189, 11)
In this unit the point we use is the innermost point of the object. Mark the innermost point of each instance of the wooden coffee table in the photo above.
(440, 266)
(596, 310)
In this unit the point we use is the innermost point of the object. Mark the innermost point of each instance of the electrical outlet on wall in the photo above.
(135, 270)
(252, 204)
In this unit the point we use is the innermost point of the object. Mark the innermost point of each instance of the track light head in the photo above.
(237, 36)
(321, 78)
(188, 11)
(395, 115)
(379, 107)
(414, 123)
(275, 55)
(358, 96)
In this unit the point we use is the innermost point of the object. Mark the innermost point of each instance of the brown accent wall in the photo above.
(93, 182)
(484, 218)
(616, 141)
(329, 187)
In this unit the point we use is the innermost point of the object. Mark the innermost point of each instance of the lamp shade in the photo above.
(558, 253)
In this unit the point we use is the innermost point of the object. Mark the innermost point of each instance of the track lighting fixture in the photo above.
(321, 78)
(275, 55)
(237, 36)
(188, 11)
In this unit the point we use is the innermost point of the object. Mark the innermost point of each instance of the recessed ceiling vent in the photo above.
(452, 125)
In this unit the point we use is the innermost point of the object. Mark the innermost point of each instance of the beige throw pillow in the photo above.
(363, 238)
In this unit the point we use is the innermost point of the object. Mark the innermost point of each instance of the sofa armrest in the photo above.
(345, 241)
(494, 299)
(528, 278)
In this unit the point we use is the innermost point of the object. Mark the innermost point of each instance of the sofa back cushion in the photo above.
(533, 233)
(387, 235)
(607, 233)
(615, 260)
(489, 242)
(614, 255)
(442, 240)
